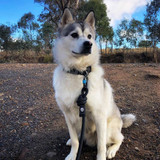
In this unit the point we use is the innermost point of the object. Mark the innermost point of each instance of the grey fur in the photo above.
(65, 31)
(67, 24)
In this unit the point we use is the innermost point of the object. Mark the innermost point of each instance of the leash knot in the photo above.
(82, 99)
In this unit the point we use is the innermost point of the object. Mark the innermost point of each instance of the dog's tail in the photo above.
(128, 119)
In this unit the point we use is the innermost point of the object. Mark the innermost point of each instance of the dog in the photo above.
(76, 48)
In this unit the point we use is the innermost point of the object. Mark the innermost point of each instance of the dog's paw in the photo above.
(68, 142)
(111, 152)
(71, 157)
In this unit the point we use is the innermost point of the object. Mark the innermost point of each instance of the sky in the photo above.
(120, 9)
(12, 10)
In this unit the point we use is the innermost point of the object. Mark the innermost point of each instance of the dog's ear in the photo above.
(90, 19)
(66, 18)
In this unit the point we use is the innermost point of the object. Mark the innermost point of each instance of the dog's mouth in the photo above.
(83, 52)
(75, 52)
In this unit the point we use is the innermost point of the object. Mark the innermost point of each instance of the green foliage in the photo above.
(145, 43)
(47, 34)
(26, 21)
(53, 9)
(29, 27)
(5, 37)
(129, 33)
(135, 31)
(152, 20)
(122, 38)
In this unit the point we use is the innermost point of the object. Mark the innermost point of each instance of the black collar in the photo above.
(77, 72)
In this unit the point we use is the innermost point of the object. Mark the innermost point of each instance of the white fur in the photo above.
(128, 119)
(103, 119)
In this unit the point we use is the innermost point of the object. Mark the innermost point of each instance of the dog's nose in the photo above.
(87, 44)
(86, 48)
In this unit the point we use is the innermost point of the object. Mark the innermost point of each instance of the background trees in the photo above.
(47, 35)
(129, 33)
(5, 36)
(152, 23)
(40, 34)
(53, 9)
(28, 26)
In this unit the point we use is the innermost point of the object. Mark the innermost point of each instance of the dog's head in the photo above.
(75, 46)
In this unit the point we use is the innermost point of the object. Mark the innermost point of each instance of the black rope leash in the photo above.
(81, 102)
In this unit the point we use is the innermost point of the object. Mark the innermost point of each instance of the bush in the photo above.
(48, 58)
(129, 58)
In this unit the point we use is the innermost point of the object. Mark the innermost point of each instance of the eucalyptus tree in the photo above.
(5, 37)
(135, 32)
(29, 27)
(152, 23)
(129, 33)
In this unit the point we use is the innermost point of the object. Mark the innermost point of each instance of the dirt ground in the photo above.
(33, 128)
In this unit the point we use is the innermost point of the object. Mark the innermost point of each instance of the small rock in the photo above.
(144, 120)
(51, 154)
(136, 148)
(25, 124)
(1, 94)
(33, 134)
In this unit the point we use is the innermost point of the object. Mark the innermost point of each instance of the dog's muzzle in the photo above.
(86, 48)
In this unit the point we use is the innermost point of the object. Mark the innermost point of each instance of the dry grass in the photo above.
(134, 50)
(138, 55)
(25, 57)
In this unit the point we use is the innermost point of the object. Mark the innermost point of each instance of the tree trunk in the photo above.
(100, 45)
(77, 3)
(106, 47)
(146, 49)
(111, 47)
(154, 52)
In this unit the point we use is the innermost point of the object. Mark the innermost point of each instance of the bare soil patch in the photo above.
(33, 128)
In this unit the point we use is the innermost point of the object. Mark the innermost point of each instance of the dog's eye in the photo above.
(75, 35)
(89, 36)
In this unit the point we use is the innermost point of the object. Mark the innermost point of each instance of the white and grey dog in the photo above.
(76, 48)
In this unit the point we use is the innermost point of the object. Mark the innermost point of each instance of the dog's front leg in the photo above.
(101, 128)
(74, 140)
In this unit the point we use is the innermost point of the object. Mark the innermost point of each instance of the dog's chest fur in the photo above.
(68, 87)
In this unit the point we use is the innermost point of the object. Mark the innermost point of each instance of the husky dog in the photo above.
(76, 49)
